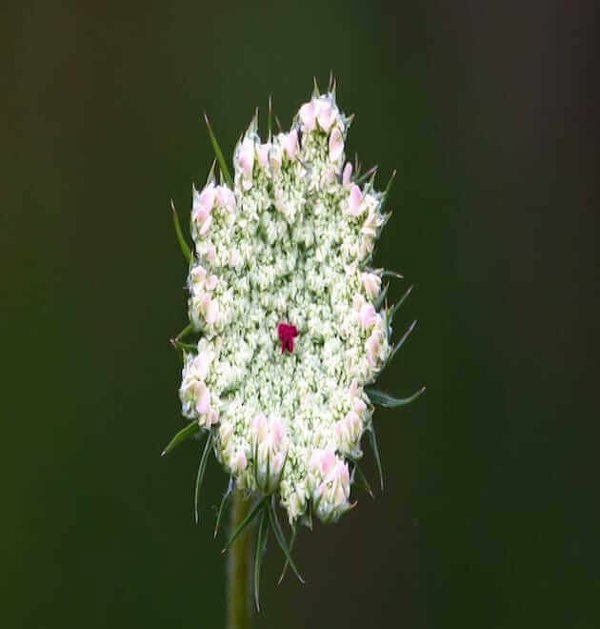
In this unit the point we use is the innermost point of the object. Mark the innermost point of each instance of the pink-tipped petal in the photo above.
(203, 399)
(326, 114)
(262, 153)
(328, 460)
(225, 198)
(200, 365)
(259, 426)
(205, 224)
(347, 174)
(206, 198)
(308, 116)
(372, 284)
(246, 157)
(336, 145)
(290, 144)
(355, 201)
(367, 316)
(278, 430)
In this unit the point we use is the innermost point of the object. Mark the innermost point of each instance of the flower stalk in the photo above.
(238, 567)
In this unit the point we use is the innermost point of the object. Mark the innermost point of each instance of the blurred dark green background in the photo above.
(489, 514)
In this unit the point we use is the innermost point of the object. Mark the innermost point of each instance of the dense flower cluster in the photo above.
(288, 310)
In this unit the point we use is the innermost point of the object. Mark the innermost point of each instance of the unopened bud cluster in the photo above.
(287, 249)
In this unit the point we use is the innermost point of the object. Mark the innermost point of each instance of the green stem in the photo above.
(238, 567)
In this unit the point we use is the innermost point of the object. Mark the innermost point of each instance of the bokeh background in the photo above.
(485, 109)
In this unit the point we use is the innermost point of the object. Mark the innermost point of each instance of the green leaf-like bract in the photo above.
(359, 180)
(185, 347)
(261, 545)
(388, 401)
(401, 342)
(185, 248)
(201, 470)
(224, 501)
(245, 522)
(291, 546)
(386, 192)
(189, 328)
(183, 435)
(388, 273)
(363, 479)
(381, 296)
(280, 537)
(219, 154)
(398, 304)
(375, 447)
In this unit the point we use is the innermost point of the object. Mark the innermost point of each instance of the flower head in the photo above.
(292, 325)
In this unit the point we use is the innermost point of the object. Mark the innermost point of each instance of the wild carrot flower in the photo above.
(292, 316)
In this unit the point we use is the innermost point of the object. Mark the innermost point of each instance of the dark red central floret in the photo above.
(287, 333)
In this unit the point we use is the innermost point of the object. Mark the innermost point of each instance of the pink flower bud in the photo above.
(359, 405)
(277, 430)
(336, 145)
(367, 316)
(246, 158)
(259, 427)
(202, 398)
(225, 198)
(347, 174)
(262, 152)
(372, 284)
(200, 364)
(202, 206)
(270, 451)
(355, 206)
(308, 116)
(290, 143)
(206, 198)
(327, 462)
(205, 225)
(331, 491)
(326, 114)
(277, 463)
(348, 431)
(375, 347)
